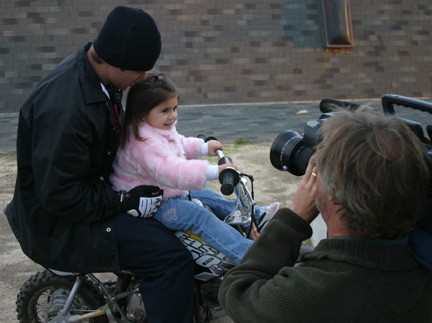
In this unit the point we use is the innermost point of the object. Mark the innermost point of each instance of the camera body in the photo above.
(291, 152)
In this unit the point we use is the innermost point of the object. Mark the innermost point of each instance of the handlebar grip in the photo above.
(229, 178)
(388, 101)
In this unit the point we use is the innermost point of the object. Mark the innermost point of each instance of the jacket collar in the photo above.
(90, 83)
(146, 129)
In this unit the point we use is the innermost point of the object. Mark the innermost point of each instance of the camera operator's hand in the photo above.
(303, 203)
(141, 201)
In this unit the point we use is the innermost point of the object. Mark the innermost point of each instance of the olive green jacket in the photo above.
(343, 280)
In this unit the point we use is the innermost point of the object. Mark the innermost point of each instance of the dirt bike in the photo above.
(53, 296)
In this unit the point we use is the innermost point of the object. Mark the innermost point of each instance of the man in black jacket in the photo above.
(65, 213)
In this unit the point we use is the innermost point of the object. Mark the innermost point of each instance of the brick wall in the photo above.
(245, 51)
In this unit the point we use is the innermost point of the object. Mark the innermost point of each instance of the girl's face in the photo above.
(164, 115)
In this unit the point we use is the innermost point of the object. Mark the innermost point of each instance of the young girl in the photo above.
(152, 152)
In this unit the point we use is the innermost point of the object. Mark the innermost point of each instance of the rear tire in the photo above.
(43, 295)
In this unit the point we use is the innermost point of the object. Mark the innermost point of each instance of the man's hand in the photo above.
(141, 201)
(303, 202)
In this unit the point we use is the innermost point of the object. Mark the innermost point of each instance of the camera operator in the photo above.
(368, 179)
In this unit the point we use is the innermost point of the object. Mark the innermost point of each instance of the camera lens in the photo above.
(289, 153)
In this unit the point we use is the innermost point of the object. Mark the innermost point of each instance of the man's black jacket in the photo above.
(65, 147)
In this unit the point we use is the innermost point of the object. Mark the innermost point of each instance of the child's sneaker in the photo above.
(267, 212)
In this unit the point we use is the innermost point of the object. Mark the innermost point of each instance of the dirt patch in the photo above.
(269, 185)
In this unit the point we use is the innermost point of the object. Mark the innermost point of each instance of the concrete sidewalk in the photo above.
(229, 123)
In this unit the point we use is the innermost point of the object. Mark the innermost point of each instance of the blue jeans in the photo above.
(219, 205)
(182, 214)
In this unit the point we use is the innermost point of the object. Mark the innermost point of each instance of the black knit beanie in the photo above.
(129, 39)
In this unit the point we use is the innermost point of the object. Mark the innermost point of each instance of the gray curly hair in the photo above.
(376, 169)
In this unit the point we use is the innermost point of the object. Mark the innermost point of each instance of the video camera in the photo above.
(291, 152)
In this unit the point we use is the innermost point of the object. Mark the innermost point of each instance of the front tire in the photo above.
(43, 295)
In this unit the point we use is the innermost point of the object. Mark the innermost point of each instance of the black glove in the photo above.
(141, 201)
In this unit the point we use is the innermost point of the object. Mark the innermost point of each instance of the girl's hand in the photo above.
(213, 145)
(303, 202)
(223, 166)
